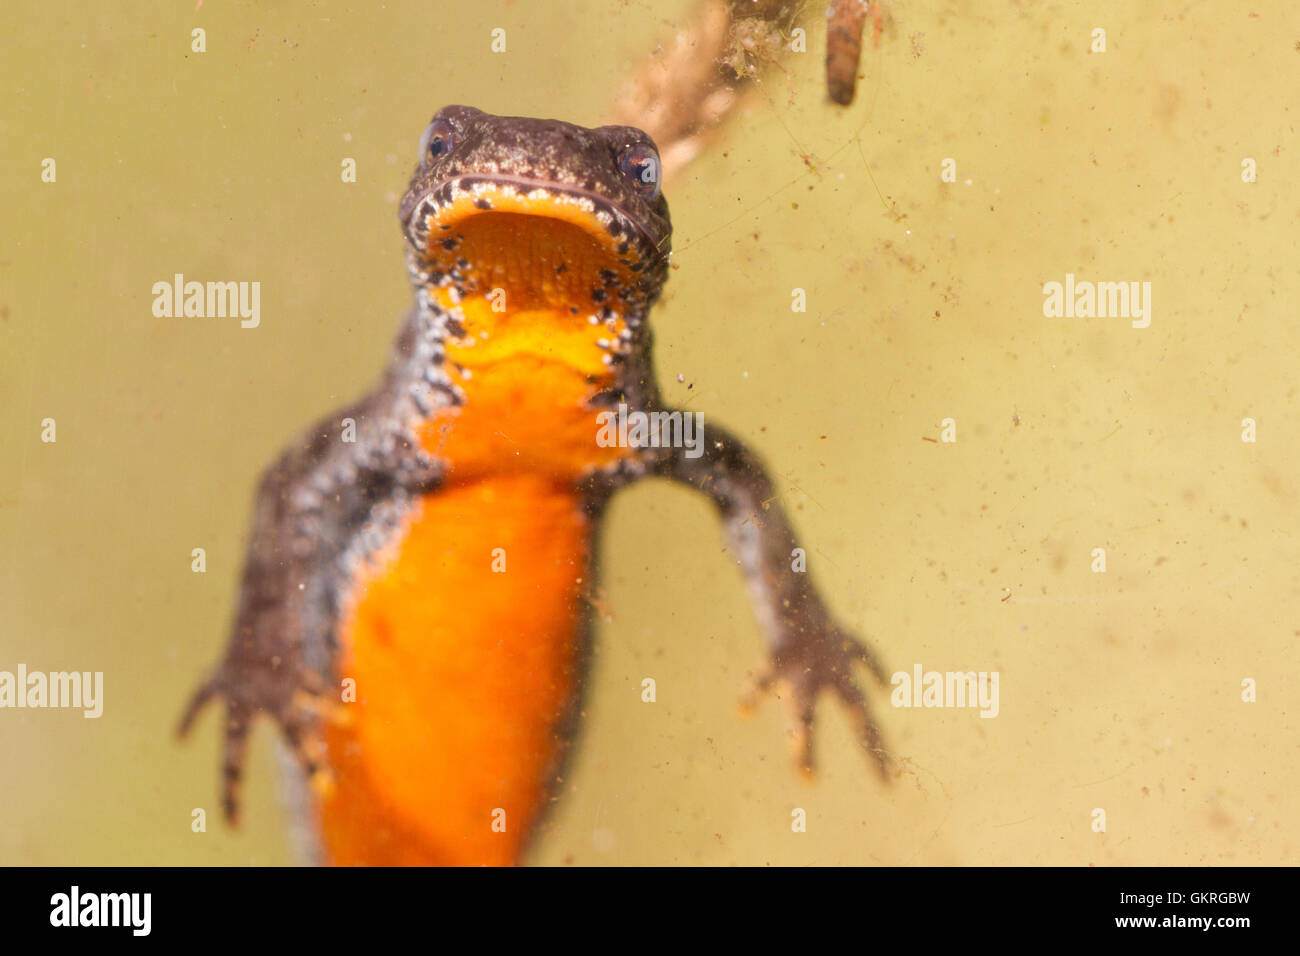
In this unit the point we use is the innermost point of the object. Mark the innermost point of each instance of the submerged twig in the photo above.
(682, 92)
(688, 86)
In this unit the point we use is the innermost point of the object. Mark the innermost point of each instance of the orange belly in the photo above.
(465, 676)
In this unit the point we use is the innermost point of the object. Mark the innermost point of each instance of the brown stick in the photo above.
(845, 20)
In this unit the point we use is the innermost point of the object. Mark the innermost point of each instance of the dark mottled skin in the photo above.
(326, 504)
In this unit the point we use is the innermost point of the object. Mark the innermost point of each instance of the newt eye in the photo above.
(640, 163)
(439, 139)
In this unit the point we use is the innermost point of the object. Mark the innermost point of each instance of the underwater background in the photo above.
(1119, 691)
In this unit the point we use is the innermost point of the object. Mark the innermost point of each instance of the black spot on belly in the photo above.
(482, 204)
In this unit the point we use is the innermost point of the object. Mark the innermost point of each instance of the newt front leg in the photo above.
(808, 652)
(315, 507)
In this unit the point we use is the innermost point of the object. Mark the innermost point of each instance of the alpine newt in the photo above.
(413, 609)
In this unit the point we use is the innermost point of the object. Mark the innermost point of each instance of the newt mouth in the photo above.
(437, 215)
(532, 268)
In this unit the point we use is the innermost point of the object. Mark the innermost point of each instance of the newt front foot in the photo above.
(809, 663)
(298, 714)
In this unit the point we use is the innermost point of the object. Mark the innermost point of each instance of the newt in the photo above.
(413, 610)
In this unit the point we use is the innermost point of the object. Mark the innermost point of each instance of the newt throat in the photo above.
(545, 273)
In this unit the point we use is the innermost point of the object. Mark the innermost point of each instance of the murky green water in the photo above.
(1119, 691)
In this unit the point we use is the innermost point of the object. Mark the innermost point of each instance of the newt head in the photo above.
(557, 214)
